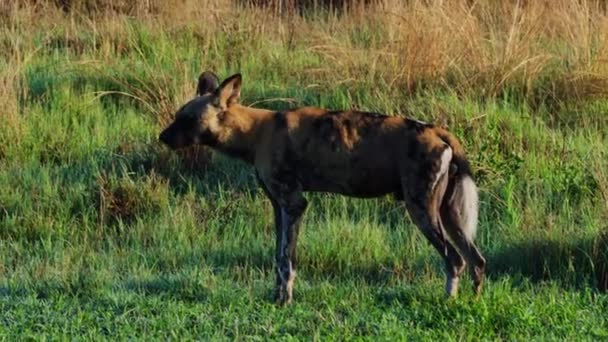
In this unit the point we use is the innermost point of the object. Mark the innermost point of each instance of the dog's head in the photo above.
(199, 121)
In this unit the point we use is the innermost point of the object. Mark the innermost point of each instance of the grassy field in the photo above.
(106, 234)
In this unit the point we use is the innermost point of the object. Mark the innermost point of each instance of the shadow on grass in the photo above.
(573, 263)
(79, 285)
(178, 287)
(570, 263)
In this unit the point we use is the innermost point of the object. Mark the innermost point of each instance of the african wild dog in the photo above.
(347, 152)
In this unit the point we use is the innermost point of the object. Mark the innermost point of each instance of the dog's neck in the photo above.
(242, 130)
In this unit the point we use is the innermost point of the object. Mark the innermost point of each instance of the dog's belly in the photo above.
(354, 180)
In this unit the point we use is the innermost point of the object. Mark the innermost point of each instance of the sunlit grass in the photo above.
(104, 233)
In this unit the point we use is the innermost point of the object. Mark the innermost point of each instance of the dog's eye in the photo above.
(216, 102)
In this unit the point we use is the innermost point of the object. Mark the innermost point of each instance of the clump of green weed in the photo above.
(158, 159)
(123, 199)
(600, 257)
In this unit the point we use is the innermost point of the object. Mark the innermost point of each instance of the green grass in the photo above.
(105, 234)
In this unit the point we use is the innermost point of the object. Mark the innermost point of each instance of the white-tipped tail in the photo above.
(467, 200)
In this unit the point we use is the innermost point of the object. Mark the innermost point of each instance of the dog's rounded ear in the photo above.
(229, 91)
(207, 83)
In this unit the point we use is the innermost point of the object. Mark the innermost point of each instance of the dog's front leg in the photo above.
(292, 205)
(278, 217)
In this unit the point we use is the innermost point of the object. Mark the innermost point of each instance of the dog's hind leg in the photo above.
(459, 215)
(423, 196)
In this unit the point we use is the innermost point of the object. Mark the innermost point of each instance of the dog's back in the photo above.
(354, 153)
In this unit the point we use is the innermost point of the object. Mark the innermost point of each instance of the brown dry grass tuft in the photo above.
(540, 51)
(10, 89)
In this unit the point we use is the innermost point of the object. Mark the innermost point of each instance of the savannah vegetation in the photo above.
(106, 234)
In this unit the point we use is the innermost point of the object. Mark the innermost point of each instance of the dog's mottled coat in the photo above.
(353, 153)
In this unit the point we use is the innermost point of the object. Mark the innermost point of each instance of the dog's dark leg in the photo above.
(277, 226)
(292, 204)
(287, 256)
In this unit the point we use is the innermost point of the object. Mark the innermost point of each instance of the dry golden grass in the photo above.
(553, 49)
(538, 50)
